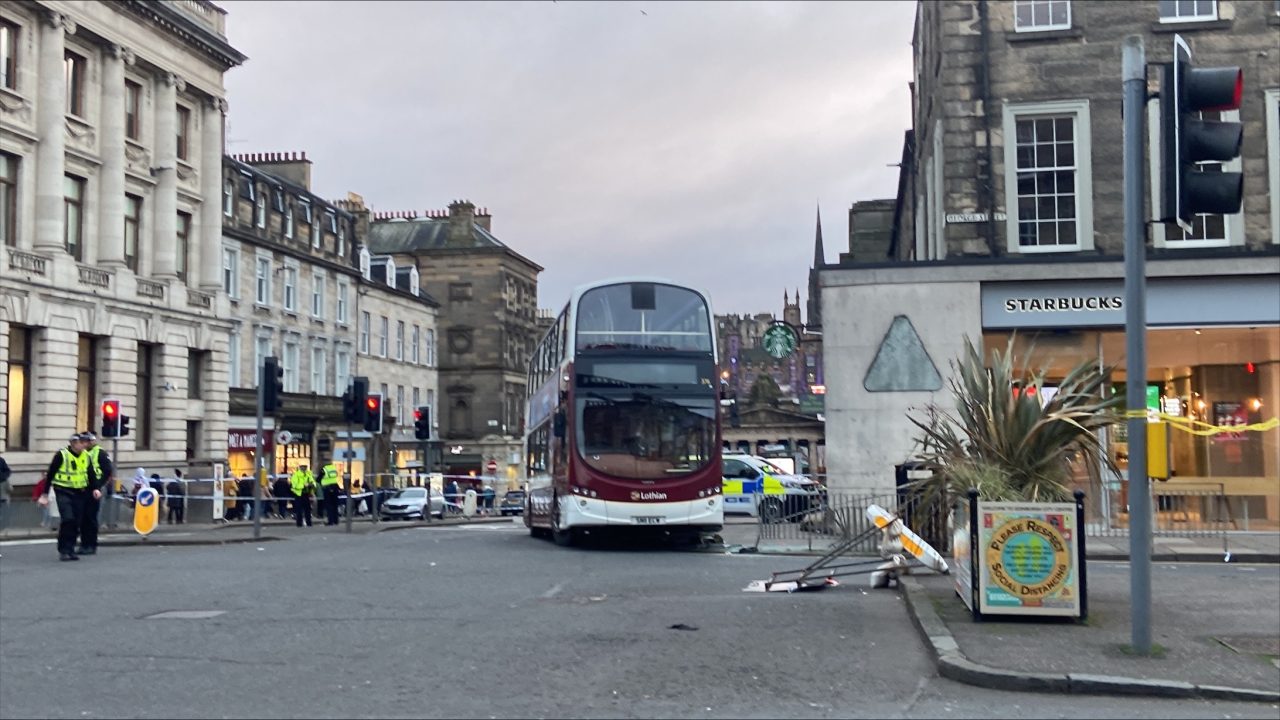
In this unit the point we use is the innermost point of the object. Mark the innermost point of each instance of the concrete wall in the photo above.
(868, 433)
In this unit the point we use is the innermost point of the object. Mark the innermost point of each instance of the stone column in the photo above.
(210, 239)
(51, 111)
(110, 250)
(164, 238)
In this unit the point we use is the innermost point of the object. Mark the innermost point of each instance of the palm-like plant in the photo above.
(1002, 441)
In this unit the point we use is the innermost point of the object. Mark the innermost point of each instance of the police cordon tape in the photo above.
(1203, 429)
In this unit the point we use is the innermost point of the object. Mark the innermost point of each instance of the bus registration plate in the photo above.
(649, 519)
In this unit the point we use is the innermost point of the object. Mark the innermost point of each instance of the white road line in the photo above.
(552, 592)
(37, 541)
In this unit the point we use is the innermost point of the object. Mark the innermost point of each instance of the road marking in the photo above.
(37, 541)
(185, 615)
(552, 592)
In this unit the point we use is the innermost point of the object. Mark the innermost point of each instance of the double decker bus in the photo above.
(624, 414)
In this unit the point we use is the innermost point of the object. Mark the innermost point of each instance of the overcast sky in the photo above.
(684, 139)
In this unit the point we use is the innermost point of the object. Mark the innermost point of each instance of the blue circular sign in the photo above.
(146, 498)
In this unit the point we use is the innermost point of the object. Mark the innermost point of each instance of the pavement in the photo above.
(1215, 624)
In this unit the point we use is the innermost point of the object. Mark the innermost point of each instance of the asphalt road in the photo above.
(480, 621)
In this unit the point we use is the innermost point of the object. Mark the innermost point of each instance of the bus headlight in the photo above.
(593, 493)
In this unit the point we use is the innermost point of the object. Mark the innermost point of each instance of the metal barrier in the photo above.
(834, 518)
(1176, 512)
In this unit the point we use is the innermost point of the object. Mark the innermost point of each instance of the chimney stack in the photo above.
(292, 166)
(461, 218)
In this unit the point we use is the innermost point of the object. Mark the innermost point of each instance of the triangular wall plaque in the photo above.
(902, 364)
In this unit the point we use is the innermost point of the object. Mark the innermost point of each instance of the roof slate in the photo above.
(394, 236)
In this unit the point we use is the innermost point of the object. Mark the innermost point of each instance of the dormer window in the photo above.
(260, 217)
(247, 189)
(277, 200)
(365, 262)
(391, 272)
(288, 222)
(413, 280)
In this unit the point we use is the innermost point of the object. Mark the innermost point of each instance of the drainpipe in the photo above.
(986, 174)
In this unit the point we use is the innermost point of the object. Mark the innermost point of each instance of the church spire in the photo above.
(819, 254)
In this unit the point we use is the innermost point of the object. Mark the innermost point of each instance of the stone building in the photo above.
(301, 287)
(1009, 219)
(111, 136)
(487, 327)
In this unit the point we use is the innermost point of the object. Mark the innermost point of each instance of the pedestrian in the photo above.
(70, 471)
(176, 499)
(139, 482)
(158, 485)
(5, 472)
(229, 491)
(329, 486)
(101, 471)
(489, 495)
(282, 492)
(451, 496)
(303, 484)
(244, 489)
(42, 494)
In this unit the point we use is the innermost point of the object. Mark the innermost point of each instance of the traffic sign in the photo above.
(491, 467)
(146, 514)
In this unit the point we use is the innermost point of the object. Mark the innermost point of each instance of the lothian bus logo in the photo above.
(636, 495)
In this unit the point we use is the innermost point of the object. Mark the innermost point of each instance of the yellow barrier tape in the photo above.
(1204, 429)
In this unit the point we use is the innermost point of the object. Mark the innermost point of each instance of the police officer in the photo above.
(69, 474)
(101, 471)
(303, 484)
(329, 486)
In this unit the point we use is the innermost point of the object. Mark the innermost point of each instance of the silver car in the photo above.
(408, 504)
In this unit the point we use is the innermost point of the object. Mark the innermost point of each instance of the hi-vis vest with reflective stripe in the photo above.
(93, 454)
(330, 475)
(301, 483)
(766, 485)
(74, 472)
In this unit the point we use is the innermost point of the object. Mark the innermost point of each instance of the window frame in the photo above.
(366, 329)
(133, 221)
(74, 67)
(132, 110)
(259, 340)
(1083, 142)
(182, 245)
(18, 409)
(288, 220)
(1213, 15)
(229, 197)
(1232, 225)
(10, 167)
(291, 360)
(289, 288)
(262, 281)
(319, 371)
(1271, 97)
(343, 310)
(384, 332)
(259, 209)
(182, 125)
(400, 334)
(81, 185)
(231, 272)
(233, 357)
(1040, 28)
(415, 354)
(318, 281)
(10, 41)
(341, 369)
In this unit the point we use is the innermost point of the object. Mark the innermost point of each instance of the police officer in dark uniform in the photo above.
(69, 474)
(101, 471)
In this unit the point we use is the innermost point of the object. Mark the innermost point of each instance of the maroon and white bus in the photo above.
(624, 414)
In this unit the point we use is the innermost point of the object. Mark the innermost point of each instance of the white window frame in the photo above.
(261, 351)
(400, 413)
(318, 280)
(262, 280)
(1040, 28)
(366, 262)
(1272, 112)
(289, 296)
(415, 354)
(231, 272)
(366, 328)
(228, 197)
(341, 369)
(1084, 172)
(318, 370)
(1233, 225)
(343, 309)
(400, 340)
(417, 397)
(288, 220)
(260, 211)
(1213, 14)
(290, 361)
(233, 358)
(384, 331)
(431, 347)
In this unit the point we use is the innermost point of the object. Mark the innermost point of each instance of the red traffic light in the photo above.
(110, 409)
(372, 403)
(417, 415)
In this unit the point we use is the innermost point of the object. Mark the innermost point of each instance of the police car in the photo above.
(756, 487)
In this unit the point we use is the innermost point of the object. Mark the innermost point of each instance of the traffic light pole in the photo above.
(347, 466)
(259, 466)
(1134, 73)
(112, 510)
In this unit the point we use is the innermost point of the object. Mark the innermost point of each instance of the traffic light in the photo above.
(111, 418)
(1186, 140)
(422, 422)
(373, 413)
(272, 384)
(353, 401)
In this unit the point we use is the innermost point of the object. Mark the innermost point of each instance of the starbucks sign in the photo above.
(780, 340)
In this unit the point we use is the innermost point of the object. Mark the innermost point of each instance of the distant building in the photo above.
(111, 122)
(487, 326)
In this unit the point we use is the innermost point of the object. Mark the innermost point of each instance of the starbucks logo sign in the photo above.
(780, 340)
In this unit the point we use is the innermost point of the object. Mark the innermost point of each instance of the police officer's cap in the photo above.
(77, 437)
(88, 436)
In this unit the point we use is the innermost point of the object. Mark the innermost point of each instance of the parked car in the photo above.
(408, 504)
(512, 503)
(756, 487)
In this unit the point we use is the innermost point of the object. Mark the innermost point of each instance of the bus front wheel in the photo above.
(561, 537)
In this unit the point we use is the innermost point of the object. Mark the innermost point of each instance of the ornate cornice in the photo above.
(212, 45)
